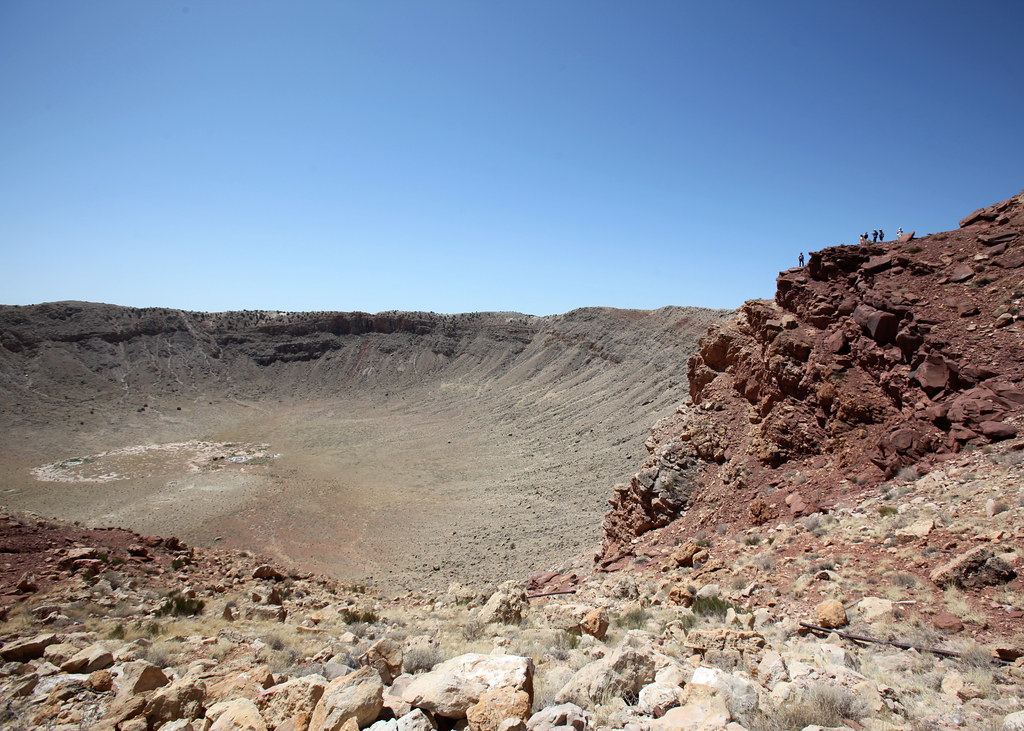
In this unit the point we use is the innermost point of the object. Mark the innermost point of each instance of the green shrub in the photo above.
(180, 606)
(349, 616)
(633, 619)
(887, 510)
(710, 606)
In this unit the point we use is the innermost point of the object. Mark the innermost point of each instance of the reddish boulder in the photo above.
(947, 622)
(997, 430)
(934, 374)
(879, 325)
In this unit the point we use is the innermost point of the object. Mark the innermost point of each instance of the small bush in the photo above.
(349, 616)
(421, 658)
(819, 705)
(179, 562)
(710, 606)
(907, 581)
(180, 606)
(474, 630)
(887, 510)
(754, 539)
(688, 621)
(633, 619)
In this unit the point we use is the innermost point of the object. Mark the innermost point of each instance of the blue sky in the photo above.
(470, 155)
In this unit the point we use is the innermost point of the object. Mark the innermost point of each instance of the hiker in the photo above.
(899, 232)
(881, 235)
(874, 236)
(801, 258)
(864, 237)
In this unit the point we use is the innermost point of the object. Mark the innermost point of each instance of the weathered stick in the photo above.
(550, 593)
(892, 643)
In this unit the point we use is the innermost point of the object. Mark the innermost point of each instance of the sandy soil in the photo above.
(477, 472)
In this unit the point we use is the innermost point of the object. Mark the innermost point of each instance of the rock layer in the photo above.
(871, 359)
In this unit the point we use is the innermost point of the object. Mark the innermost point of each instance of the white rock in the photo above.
(453, 686)
(358, 695)
(415, 720)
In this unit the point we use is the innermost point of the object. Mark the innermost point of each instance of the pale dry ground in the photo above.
(409, 490)
(408, 476)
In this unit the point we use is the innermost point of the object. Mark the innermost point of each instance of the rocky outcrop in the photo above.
(871, 359)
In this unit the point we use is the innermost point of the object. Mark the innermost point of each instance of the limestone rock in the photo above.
(31, 648)
(246, 683)
(384, 656)
(182, 699)
(740, 693)
(624, 672)
(831, 614)
(656, 698)
(1014, 722)
(240, 714)
(707, 711)
(497, 705)
(564, 716)
(416, 720)
(456, 684)
(357, 696)
(140, 676)
(916, 531)
(292, 700)
(595, 623)
(506, 605)
(92, 658)
(874, 609)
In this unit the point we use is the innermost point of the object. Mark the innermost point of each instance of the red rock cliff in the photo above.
(870, 360)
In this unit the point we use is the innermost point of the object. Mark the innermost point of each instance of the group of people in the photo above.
(876, 236)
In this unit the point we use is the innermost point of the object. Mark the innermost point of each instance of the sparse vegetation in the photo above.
(710, 606)
(633, 619)
(178, 605)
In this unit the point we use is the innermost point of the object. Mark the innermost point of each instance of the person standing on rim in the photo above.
(801, 259)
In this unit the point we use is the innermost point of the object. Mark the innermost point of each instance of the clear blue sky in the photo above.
(468, 155)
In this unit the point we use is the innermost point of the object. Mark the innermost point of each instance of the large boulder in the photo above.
(564, 716)
(976, 568)
(23, 650)
(622, 673)
(496, 706)
(239, 714)
(506, 605)
(831, 614)
(293, 700)
(182, 699)
(92, 658)
(140, 676)
(416, 720)
(358, 696)
(384, 656)
(453, 686)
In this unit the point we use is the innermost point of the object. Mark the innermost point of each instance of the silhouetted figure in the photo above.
(899, 232)
(881, 235)
(864, 237)
(874, 236)
(801, 258)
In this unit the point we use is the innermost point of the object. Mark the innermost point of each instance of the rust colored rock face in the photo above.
(871, 359)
